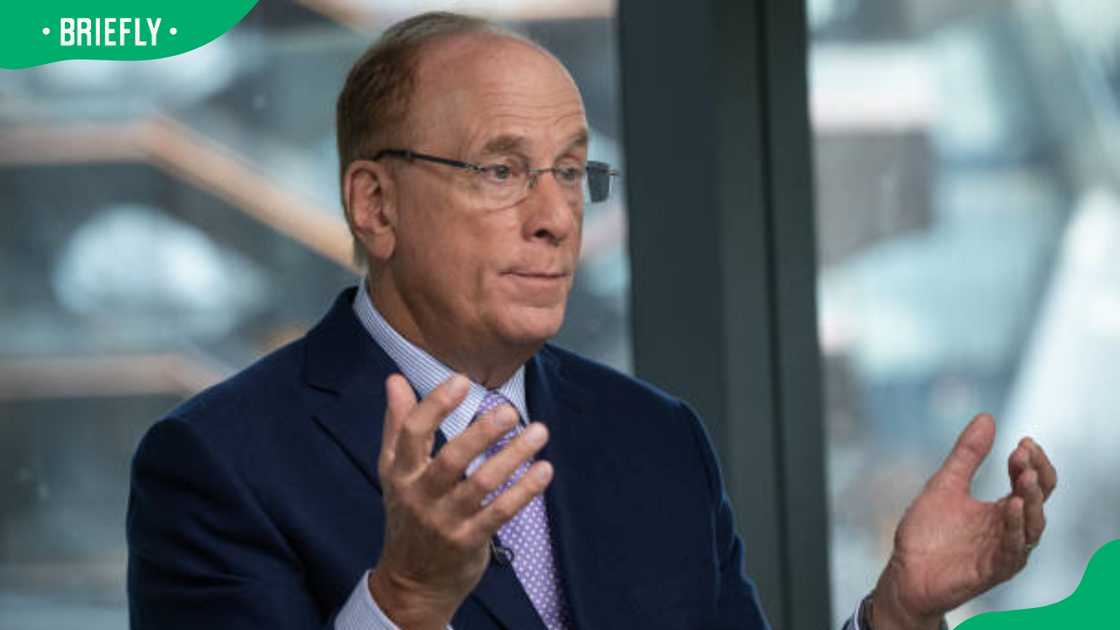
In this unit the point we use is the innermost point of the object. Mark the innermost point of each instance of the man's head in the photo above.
(449, 256)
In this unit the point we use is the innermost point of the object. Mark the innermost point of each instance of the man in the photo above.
(277, 499)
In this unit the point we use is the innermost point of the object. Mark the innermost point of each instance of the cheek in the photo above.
(464, 265)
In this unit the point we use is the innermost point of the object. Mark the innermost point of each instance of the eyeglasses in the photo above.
(509, 182)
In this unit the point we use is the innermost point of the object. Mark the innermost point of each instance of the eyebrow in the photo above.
(506, 144)
(509, 143)
(579, 140)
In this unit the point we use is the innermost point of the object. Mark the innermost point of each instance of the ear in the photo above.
(370, 195)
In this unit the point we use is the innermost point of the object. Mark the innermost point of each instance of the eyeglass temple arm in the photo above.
(592, 165)
(412, 155)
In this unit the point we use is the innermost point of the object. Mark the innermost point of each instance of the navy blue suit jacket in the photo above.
(256, 504)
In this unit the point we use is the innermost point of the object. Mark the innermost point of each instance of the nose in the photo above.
(553, 214)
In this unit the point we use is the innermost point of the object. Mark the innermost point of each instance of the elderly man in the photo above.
(314, 490)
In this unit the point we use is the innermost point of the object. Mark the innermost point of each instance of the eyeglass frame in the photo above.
(531, 173)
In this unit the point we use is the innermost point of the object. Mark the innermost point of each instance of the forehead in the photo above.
(470, 89)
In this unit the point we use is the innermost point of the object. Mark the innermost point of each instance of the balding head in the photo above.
(470, 85)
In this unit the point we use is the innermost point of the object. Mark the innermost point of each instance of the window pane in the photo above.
(968, 185)
(167, 223)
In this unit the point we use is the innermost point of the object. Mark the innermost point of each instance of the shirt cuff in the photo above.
(853, 623)
(361, 611)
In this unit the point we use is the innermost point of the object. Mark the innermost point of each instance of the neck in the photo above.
(489, 363)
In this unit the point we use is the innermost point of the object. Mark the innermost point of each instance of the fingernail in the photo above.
(535, 434)
(544, 473)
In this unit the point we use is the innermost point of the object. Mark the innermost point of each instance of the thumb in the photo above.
(973, 445)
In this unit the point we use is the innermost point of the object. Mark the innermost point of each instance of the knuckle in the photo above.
(480, 483)
(439, 397)
(394, 486)
(493, 428)
(446, 464)
(480, 433)
(444, 398)
(413, 430)
(461, 540)
(503, 510)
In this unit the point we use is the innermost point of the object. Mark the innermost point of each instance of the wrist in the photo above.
(887, 610)
(405, 605)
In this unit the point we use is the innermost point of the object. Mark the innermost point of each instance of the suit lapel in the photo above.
(349, 369)
(584, 470)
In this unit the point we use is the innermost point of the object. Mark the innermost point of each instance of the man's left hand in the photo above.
(951, 547)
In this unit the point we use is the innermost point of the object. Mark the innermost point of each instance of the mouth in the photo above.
(540, 283)
(540, 275)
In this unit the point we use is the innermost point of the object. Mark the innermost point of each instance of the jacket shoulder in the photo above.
(609, 385)
(226, 412)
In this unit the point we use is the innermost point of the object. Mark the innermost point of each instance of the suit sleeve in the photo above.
(201, 551)
(737, 604)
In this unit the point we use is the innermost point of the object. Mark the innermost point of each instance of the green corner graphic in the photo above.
(35, 33)
(1093, 606)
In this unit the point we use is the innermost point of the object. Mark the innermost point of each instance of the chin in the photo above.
(530, 325)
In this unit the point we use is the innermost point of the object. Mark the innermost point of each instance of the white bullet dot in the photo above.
(46, 30)
(174, 31)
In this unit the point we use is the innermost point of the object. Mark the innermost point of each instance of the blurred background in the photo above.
(968, 222)
(171, 221)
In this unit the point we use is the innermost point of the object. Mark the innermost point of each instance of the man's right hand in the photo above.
(437, 530)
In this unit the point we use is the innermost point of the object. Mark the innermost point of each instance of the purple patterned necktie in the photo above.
(527, 534)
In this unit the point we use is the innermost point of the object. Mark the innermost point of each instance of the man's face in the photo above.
(498, 272)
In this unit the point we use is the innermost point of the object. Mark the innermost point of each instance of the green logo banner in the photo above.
(1092, 605)
(33, 33)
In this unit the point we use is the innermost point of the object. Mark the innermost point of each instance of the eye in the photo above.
(500, 172)
(504, 172)
(570, 174)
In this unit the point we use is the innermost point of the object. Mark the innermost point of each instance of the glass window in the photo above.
(968, 186)
(167, 223)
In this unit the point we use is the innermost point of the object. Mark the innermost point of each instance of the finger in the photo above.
(1018, 462)
(490, 476)
(400, 400)
(448, 467)
(507, 504)
(1047, 474)
(414, 444)
(973, 445)
(1035, 521)
(1014, 536)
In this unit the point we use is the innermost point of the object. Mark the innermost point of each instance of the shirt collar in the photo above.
(424, 372)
